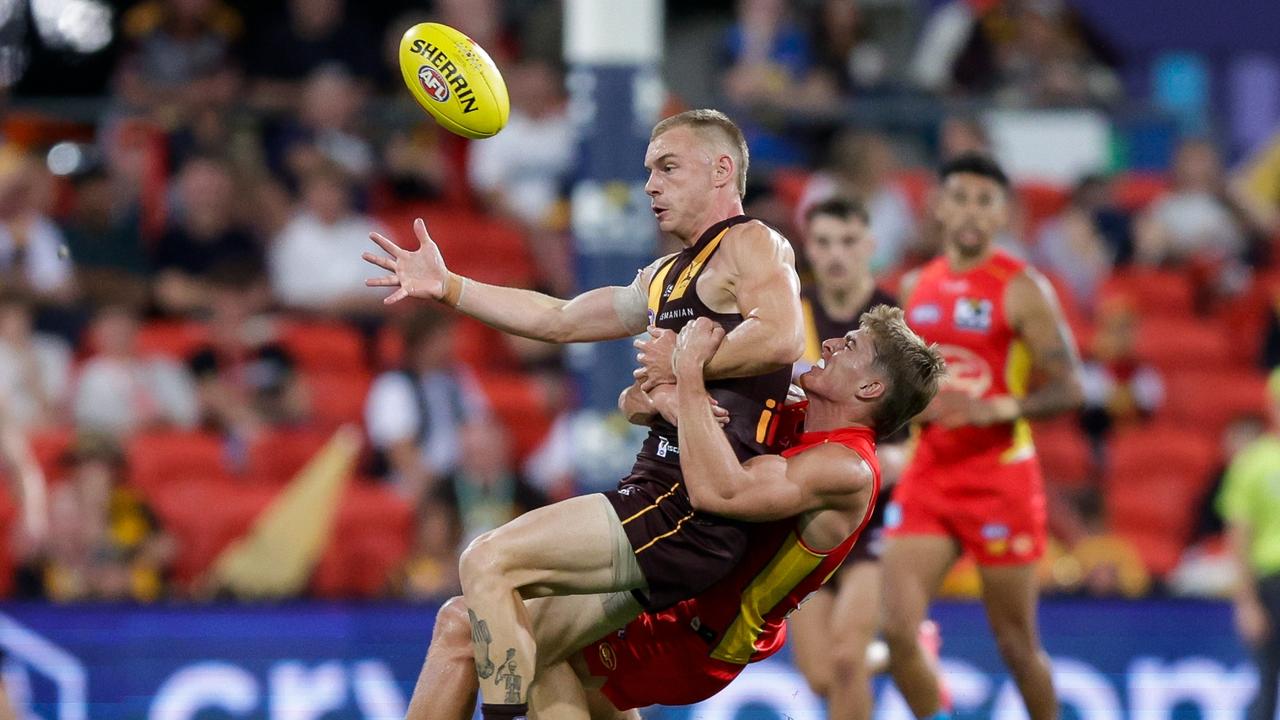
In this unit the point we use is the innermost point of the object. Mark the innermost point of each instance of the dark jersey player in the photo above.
(807, 504)
(644, 542)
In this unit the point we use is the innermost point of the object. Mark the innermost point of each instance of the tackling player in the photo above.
(810, 503)
(973, 484)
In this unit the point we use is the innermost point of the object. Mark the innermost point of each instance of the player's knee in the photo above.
(900, 632)
(848, 662)
(483, 560)
(453, 626)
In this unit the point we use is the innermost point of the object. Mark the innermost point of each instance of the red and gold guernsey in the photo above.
(743, 617)
(964, 313)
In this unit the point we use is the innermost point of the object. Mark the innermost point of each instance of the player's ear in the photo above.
(870, 389)
(723, 170)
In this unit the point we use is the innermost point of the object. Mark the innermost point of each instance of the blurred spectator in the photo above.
(302, 37)
(1119, 388)
(862, 166)
(1028, 52)
(106, 543)
(771, 63)
(846, 53)
(315, 261)
(958, 135)
(522, 171)
(1194, 220)
(1256, 189)
(1073, 246)
(480, 20)
(431, 570)
(416, 165)
(1240, 433)
(33, 251)
(326, 130)
(245, 381)
(1250, 506)
(415, 415)
(120, 391)
(35, 369)
(486, 491)
(104, 231)
(180, 58)
(203, 238)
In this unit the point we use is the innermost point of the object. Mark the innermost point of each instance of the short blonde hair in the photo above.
(913, 369)
(716, 126)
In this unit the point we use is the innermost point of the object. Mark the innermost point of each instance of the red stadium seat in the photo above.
(1155, 477)
(49, 447)
(164, 458)
(205, 516)
(176, 339)
(916, 183)
(325, 346)
(789, 184)
(1154, 292)
(371, 539)
(1210, 398)
(1176, 343)
(275, 457)
(522, 407)
(481, 247)
(1041, 201)
(1133, 191)
(1064, 454)
(337, 397)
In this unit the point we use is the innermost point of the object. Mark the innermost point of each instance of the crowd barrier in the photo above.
(1147, 660)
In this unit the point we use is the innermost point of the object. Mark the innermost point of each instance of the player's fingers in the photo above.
(381, 261)
(384, 281)
(648, 384)
(420, 229)
(654, 331)
(638, 373)
(396, 296)
(393, 249)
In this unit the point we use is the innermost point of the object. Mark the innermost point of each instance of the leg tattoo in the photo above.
(508, 674)
(480, 635)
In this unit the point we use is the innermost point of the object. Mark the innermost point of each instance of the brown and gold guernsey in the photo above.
(752, 402)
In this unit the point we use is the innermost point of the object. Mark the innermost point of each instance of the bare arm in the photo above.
(28, 479)
(764, 488)
(1037, 317)
(601, 314)
(641, 408)
(768, 294)
(1250, 616)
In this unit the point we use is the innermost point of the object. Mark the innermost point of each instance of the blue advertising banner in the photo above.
(1147, 661)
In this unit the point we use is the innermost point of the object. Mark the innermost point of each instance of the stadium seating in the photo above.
(1153, 292)
(276, 456)
(328, 346)
(1174, 342)
(174, 457)
(337, 396)
(1064, 453)
(371, 539)
(1210, 397)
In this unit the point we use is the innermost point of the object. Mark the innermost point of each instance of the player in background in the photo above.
(973, 483)
(613, 551)
(834, 632)
(810, 502)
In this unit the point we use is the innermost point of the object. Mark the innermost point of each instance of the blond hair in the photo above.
(913, 369)
(715, 126)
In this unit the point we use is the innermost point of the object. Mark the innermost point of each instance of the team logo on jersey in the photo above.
(665, 446)
(973, 314)
(967, 372)
(608, 657)
(924, 315)
(892, 515)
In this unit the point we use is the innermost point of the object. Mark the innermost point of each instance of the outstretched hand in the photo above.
(695, 346)
(417, 273)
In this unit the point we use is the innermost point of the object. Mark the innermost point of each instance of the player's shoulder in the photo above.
(835, 466)
(1028, 283)
(755, 237)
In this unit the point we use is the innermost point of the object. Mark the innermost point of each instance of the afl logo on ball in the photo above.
(433, 82)
(608, 657)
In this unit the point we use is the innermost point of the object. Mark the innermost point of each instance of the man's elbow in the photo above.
(707, 500)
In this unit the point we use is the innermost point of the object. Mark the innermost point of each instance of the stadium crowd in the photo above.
(184, 325)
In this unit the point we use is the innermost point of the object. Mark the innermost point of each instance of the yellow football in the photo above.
(454, 79)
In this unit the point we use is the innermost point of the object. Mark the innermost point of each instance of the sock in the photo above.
(496, 711)
(940, 715)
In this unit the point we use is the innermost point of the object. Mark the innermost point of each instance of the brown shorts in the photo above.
(680, 551)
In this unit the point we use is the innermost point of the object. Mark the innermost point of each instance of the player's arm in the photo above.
(768, 294)
(764, 488)
(642, 408)
(601, 314)
(1035, 315)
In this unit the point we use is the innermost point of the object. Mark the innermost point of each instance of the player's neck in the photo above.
(842, 302)
(719, 211)
(823, 415)
(960, 262)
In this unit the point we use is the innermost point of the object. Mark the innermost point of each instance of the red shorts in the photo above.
(657, 660)
(996, 512)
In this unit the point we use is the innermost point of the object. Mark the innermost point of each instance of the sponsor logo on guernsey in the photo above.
(973, 314)
(608, 657)
(675, 314)
(666, 446)
(995, 531)
(924, 315)
(967, 372)
(892, 515)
